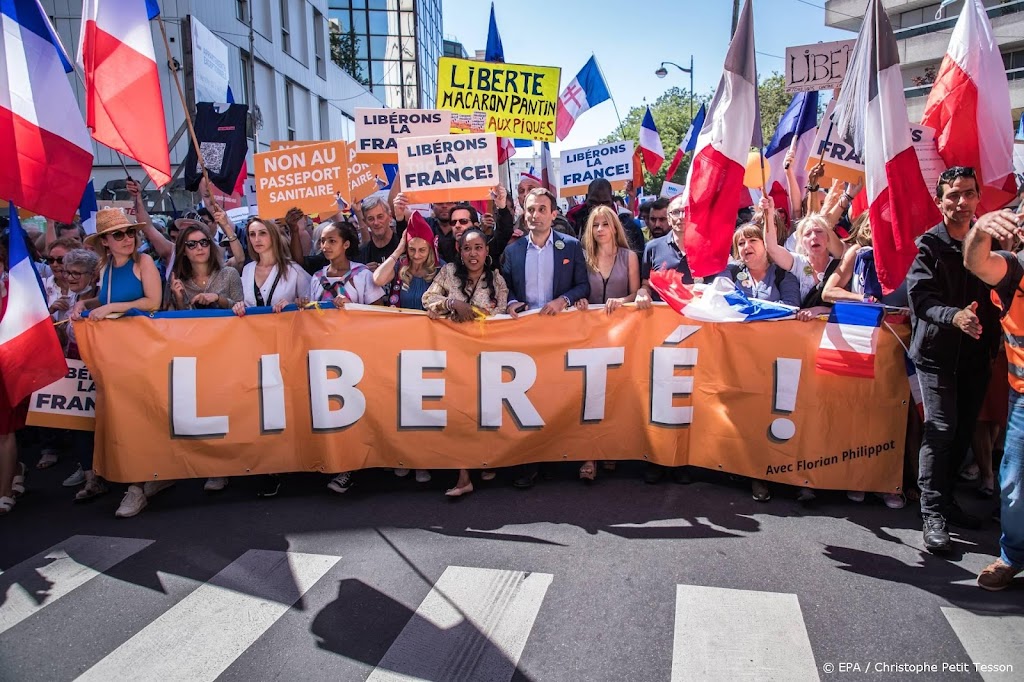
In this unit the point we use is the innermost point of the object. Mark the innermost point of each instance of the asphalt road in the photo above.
(614, 581)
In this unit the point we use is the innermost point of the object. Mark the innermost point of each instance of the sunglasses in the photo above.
(119, 235)
(193, 244)
(52, 261)
(461, 221)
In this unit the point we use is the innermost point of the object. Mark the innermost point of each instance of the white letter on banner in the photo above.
(665, 385)
(322, 388)
(272, 412)
(414, 388)
(494, 392)
(596, 362)
(184, 420)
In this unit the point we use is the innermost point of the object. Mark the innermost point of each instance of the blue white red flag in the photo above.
(850, 340)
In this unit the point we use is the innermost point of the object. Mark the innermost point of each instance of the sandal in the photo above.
(47, 460)
(588, 472)
(18, 482)
(459, 492)
(6, 505)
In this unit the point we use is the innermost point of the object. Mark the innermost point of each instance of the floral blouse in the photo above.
(446, 285)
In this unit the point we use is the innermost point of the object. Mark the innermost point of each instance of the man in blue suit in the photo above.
(546, 272)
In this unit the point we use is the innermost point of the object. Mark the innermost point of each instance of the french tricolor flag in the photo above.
(850, 340)
(796, 131)
(124, 106)
(47, 153)
(586, 90)
(715, 179)
(30, 353)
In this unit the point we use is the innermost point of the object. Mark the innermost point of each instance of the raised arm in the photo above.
(978, 257)
(385, 272)
(778, 254)
(163, 246)
(237, 254)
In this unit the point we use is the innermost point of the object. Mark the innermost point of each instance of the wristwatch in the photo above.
(568, 303)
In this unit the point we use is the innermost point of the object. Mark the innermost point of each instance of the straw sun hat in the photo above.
(109, 220)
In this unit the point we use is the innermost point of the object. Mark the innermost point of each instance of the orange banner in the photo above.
(333, 390)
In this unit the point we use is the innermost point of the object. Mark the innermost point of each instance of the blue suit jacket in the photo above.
(569, 274)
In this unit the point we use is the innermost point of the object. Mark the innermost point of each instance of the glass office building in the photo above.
(399, 43)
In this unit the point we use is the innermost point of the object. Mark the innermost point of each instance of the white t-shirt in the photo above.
(53, 293)
(804, 273)
(359, 288)
(288, 288)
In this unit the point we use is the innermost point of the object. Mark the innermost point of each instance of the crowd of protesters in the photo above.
(461, 264)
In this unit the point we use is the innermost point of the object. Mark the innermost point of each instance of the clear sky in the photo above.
(631, 39)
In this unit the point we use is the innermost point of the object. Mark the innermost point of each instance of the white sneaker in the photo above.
(893, 500)
(855, 495)
(341, 483)
(422, 476)
(76, 479)
(132, 503)
(151, 488)
(214, 485)
(401, 473)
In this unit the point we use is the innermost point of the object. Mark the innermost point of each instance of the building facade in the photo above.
(287, 76)
(398, 43)
(923, 40)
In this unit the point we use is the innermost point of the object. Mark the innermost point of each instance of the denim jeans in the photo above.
(1011, 485)
(952, 401)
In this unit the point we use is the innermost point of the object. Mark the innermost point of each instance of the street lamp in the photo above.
(662, 72)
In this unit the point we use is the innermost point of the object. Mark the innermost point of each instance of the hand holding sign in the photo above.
(500, 196)
(401, 208)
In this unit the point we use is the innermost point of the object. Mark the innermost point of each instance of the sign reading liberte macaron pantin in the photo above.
(448, 167)
(379, 130)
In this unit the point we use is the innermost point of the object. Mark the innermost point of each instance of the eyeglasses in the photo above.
(192, 244)
(119, 235)
(461, 221)
(677, 212)
(74, 274)
(52, 261)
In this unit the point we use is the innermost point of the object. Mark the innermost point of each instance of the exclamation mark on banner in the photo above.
(787, 381)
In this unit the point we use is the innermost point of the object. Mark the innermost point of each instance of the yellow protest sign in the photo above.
(306, 177)
(378, 130)
(519, 100)
(448, 167)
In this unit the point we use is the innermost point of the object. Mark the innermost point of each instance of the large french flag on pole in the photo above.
(587, 89)
(850, 340)
(969, 108)
(871, 113)
(715, 179)
(124, 106)
(796, 131)
(30, 353)
(688, 143)
(47, 153)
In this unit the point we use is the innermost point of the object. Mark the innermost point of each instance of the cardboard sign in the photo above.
(519, 100)
(821, 66)
(306, 177)
(378, 130)
(277, 145)
(364, 178)
(841, 163)
(579, 167)
(448, 167)
(671, 189)
(68, 403)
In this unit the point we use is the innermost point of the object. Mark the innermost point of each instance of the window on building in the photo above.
(325, 120)
(289, 108)
(242, 10)
(1013, 60)
(320, 44)
(286, 35)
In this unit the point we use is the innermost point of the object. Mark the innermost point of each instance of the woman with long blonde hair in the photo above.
(614, 272)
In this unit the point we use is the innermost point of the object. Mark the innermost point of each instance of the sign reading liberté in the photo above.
(821, 66)
(448, 167)
(378, 130)
(520, 101)
(579, 167)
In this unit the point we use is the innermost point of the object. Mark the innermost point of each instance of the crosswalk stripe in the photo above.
(200, 636)
(990, 639)
(473, 625)
(723, 634)
(64, 568)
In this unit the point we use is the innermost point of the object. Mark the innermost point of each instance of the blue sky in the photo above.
(631, 40)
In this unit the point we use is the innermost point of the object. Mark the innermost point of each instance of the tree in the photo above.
(671, 112)
(344, 48)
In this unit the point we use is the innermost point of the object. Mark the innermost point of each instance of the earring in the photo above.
(489, 262)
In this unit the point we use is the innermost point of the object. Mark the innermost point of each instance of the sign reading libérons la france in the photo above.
(519, 100)
(579, 167)
(448, 167)
(378, 130)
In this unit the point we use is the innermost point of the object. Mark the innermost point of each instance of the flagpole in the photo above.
(184, 104)
(615, 106)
